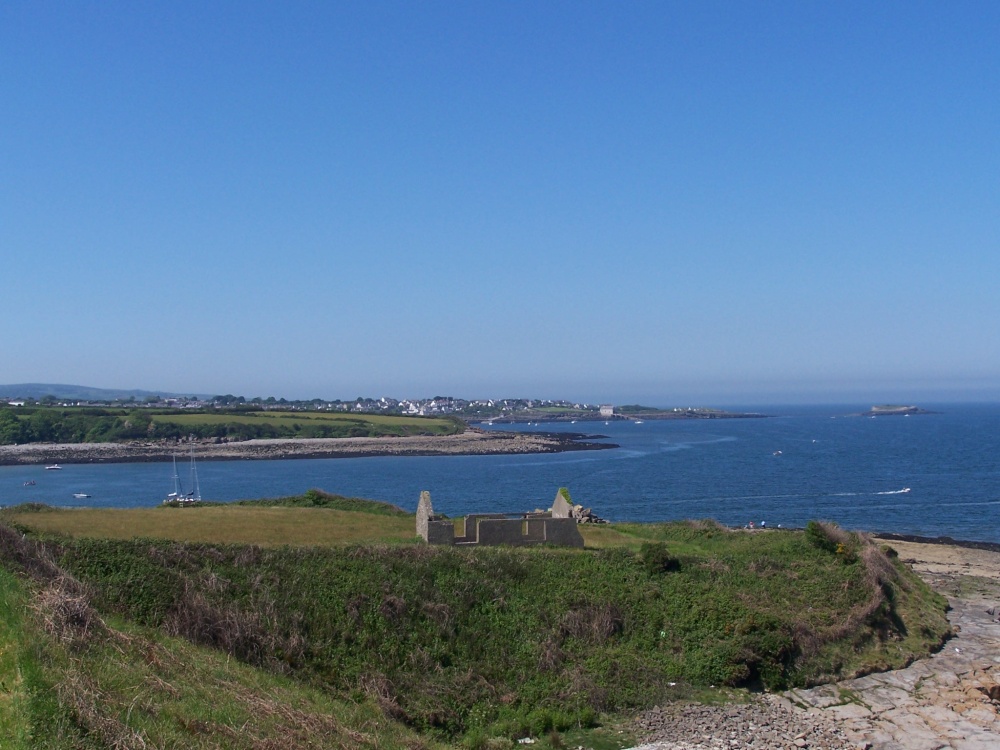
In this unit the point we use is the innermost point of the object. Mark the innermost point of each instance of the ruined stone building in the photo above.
(549, 527)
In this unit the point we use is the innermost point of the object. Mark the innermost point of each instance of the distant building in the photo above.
(607, 410)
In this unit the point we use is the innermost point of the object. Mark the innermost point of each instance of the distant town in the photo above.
(470, 410)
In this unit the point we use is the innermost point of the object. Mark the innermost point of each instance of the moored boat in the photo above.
(178, 496)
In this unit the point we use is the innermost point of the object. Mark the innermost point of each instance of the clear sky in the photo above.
(718, 203)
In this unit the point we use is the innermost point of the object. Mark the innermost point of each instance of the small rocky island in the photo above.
(893, 410)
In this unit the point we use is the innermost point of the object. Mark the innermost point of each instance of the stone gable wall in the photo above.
(494, 528)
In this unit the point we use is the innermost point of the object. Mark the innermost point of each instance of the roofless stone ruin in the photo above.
(556, 526)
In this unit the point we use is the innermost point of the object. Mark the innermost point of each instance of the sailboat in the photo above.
(180, 497)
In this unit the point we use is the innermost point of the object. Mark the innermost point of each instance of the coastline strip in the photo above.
(470, 442)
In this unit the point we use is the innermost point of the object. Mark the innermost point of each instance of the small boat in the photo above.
(777, 453)
(638, 421)
(53, 467)
(80, 495)
(30, 483)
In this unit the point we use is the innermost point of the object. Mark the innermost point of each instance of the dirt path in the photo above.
(948, 701)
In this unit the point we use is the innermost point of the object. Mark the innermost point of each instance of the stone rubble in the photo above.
(585, 515)
(767, 722)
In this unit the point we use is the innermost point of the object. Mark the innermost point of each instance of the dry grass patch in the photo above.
(599, 536)
(267, 527)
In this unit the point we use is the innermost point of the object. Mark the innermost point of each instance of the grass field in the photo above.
(224, 524)
(289, 419)
(319, 424)
(262, 524)
(85, 425)
(476, 646)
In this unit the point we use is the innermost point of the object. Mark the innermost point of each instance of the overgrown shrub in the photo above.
(827, 536)
(316, 498)
(657, 558)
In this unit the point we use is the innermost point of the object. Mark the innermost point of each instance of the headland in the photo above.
(470, 442)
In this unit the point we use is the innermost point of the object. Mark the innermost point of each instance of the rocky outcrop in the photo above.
(585, 515)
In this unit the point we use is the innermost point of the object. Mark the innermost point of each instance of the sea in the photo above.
(933, 474)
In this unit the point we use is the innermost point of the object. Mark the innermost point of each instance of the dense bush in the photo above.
(319, 499)
(657, 558)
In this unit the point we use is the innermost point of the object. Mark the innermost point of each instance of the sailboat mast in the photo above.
(177, 483)
(195, 488)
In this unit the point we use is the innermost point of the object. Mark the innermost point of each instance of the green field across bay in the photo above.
(389, 422)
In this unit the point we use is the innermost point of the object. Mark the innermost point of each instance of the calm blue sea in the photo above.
(933, 474)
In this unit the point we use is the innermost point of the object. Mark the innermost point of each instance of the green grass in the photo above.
(222, 524)
(497, 642)
(80, 425)
(382, 424)
(315, 518)
(319, 499)
(18, 671)
(127, 686)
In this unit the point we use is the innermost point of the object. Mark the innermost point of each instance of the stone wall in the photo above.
(494, 528)
(564, 532)
(561, 506)
(430, 528)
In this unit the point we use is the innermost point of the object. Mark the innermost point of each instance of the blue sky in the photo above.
(668, 202)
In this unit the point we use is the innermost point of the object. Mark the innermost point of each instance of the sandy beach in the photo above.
(470, 442)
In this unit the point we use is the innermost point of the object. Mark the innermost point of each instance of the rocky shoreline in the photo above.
(950, 700)
(470, 442)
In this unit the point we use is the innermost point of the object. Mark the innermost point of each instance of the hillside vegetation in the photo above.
(480, 646)
(96, 425)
